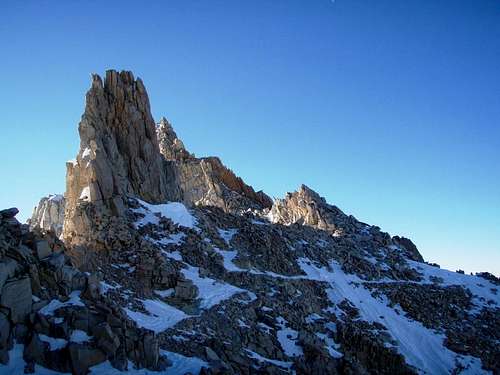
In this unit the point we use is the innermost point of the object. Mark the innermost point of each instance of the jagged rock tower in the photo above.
(119, 157)
(206, 181)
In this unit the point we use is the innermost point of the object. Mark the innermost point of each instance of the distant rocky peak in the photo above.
(171, 147)
(307, 207)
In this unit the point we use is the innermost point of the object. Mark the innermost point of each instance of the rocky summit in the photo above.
(158, 261)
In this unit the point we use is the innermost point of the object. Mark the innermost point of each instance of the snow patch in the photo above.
(287, 338)
(481, 288)
(227, 234)
(54, 343)
(261, 359)
(16, 363)
(422, 347)
(85, 194)
(330, 345)
(161, 315)
(211, 292)
(79, 336)
(174, 211)
(55, 304)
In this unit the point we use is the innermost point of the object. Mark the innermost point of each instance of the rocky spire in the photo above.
(307, 207)
(49, 214)
(119, 153)
(206, 181)
(171, 147)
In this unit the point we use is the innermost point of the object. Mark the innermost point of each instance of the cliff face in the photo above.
(118, 157)
(49, 214)
(206, 181)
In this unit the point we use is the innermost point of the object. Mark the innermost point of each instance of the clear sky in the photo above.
(389, 109)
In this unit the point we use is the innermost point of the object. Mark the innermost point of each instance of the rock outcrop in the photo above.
(171, 147)
(306, 207)
(206, 181)
(167, 256)
(119, 157)
(60, 314)
(49, 214)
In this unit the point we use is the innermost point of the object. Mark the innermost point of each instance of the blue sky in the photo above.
(390, 109)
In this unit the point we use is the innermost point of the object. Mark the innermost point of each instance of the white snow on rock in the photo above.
(164, 293)
(330, 345)
(259, 358)
(180, 365)
(79, 336)
(211, 292)
(482, 289)
(287, 338)
(54, 343)
(74, 300)
(105, 287)
(161, 315)
(227, 234)
(421, 347)
(228, 256)
(56, 197)
(175, 239)
(86, 152)
(16, 363)
(174, 211)
(85, 194)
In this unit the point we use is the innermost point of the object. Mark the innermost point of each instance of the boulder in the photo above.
(7, 270)
(36, 351)
(43, 249)
(16, 295)
(83, 357)
(9, 213)
(107, 341)
(186, 290)
(4, 331)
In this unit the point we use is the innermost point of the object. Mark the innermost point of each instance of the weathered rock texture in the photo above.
(206, 181)
(230, 283)
(119, 157)
(49, 214)
(44, 299)
(306, 207)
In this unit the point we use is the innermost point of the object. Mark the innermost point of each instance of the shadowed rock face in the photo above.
(119, 154)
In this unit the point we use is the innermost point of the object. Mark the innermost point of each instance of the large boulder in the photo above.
(83, 357)
(7, 269)
(17, 297)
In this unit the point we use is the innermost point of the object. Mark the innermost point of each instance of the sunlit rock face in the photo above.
(172, 262)
(206, 181)
(49, 214)
(118, 157)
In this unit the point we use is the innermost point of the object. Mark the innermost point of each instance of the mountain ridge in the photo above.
(171, 260)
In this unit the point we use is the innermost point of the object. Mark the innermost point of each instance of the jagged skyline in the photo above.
(419, 93)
